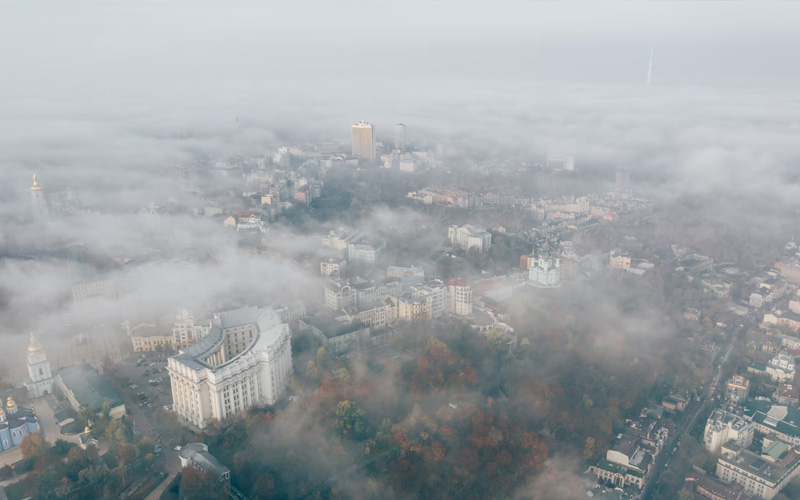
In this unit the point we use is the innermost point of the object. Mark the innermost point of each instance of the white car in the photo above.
(177, 448)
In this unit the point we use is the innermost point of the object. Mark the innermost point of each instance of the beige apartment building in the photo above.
(619, 260)
(460, 297)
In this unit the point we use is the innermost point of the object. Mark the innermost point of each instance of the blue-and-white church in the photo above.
(15, 423)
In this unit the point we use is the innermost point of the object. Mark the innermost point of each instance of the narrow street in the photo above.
(689, 420)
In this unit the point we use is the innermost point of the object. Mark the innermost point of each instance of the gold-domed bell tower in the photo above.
(38, 204)
(40, 379)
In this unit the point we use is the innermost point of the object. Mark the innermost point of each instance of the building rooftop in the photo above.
(793, 316)
(626, 444)
(198, 454)
(89, 389)
(330, 327)
(784, 419)
(788, 391)
(720, 490)
(266, 321)
(149, 331)
(475, 230)
(609, 466)
(337, 284)
(777, 460)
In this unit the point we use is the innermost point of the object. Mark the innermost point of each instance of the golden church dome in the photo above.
(35, 348)
(36, 186)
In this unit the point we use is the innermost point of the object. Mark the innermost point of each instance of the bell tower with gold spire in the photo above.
(38, 203)
(40, 379)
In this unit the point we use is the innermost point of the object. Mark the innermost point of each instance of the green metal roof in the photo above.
(89, 388)
(790, 425)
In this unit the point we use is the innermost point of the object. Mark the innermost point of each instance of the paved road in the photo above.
(693, 411)
(10, 457)
(47, 421)
(169, 459)
(156, 493)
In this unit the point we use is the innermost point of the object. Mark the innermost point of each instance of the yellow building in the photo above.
(147, 338)
(619, 260)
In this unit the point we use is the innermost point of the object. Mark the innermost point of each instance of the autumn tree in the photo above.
(85, 416)
(77, 460)
(118, 432)
(33, 446)
(264, 488)
(125, 455)
(47, 485)
(323, 356)
(94, 474)
(312, 371)
(589, 448)
(349, 418)
(197, 484)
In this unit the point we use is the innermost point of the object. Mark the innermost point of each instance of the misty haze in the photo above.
(401, 250)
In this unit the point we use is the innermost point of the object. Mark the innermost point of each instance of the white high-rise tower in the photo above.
(650, 68)
(400, 137)
(38, 204)
(364, 140)
(40, 381)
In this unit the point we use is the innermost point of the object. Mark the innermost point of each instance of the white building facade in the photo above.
(339, 294)
(545, 272)
(724, 426)
(781, 367)
(470, 237)
(244, 361)
(362, 252)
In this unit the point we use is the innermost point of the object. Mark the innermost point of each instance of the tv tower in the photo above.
(650, 68)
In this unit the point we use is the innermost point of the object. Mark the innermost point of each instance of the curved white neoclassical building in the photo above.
(244, 361)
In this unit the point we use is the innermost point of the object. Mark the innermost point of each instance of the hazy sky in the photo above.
(99, 43)
(94, 88)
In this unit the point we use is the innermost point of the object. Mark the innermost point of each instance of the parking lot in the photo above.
(149, 386)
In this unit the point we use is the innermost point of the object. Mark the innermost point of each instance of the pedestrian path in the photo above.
(156, 493)
(10, 457)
